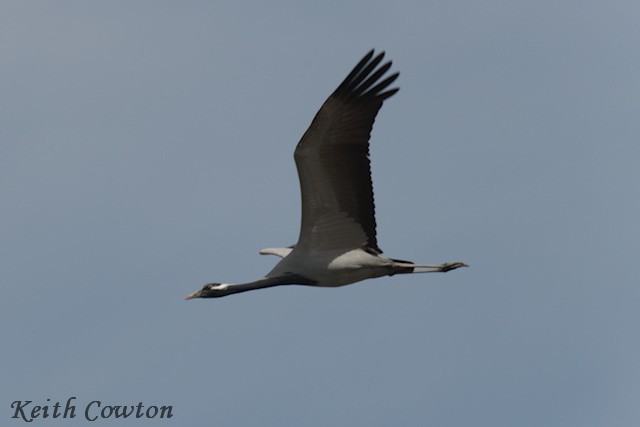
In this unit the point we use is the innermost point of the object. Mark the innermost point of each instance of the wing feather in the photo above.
(332, 158)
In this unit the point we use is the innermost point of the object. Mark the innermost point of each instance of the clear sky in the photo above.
(146, 149)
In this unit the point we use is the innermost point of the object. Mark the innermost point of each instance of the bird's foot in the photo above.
(448, 266)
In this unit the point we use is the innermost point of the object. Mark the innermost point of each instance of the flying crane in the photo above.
(337, 244)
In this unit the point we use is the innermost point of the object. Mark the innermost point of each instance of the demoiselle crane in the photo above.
(337, 244)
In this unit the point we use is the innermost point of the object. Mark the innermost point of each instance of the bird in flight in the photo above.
(337, 244)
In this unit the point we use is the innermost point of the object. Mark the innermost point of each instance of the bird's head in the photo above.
(210, 290)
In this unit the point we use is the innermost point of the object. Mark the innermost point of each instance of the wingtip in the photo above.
(380, 55)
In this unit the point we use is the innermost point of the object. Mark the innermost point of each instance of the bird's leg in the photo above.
(441, 268)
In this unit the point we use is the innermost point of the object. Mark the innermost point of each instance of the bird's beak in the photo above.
(193, 295)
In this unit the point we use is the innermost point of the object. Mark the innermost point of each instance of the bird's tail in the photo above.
(406, 267)
(402, 267)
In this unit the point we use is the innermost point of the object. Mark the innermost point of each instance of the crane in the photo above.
(337, 244)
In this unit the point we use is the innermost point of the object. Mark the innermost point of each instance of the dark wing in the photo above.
(333, 162)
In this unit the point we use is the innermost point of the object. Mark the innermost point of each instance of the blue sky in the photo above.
(146, 148)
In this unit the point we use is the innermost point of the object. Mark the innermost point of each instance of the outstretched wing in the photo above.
(332, 158)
